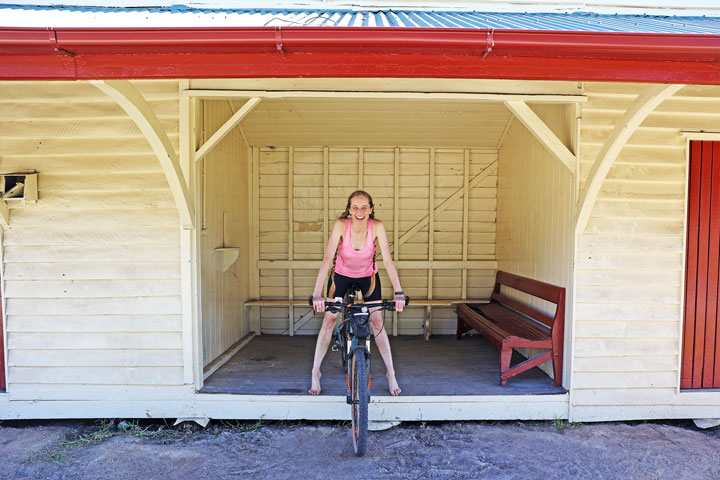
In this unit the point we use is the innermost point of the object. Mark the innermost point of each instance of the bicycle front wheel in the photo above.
(359, 393)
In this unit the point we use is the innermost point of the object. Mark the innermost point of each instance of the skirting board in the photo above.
(300, 407)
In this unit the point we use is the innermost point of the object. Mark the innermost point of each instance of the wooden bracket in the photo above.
(226, 128)
(229, 256)
(542, 133)
(131, 100)
(4, 214)
(643, 105)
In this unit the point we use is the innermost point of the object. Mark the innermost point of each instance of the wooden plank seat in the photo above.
(422, 302)
(508, 323)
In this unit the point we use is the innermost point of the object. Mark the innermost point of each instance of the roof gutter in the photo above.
(76, 53)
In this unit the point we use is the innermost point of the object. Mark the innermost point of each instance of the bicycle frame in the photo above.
(354, 334)
(352, 338)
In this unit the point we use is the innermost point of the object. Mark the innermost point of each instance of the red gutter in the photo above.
(74, 53)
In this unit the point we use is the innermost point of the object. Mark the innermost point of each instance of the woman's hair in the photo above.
(358, 193)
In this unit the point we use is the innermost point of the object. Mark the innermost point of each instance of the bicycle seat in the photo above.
(353, 294)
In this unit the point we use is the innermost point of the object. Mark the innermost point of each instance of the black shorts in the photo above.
(339, 284)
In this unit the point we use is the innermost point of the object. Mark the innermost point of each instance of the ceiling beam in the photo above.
(131, 100)
(638, 111)
(542, 133)
(447, 96)
(226, 128)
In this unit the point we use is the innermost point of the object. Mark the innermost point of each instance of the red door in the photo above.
(701, 345)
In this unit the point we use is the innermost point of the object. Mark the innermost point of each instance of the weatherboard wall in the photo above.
(91, 271)
(630, 261)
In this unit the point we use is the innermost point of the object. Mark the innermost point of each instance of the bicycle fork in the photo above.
(358, 349)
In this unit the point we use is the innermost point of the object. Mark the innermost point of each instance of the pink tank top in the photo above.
(356, 263)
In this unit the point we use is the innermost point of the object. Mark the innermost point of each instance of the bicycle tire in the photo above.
(359, 405)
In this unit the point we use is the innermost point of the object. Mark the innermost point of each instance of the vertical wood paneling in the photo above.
(702, 274)
(404, 192)
(535, 223)
(702, 264)
(227, 219)
(711, 328)
(693, 230)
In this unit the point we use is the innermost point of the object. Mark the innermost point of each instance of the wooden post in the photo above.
(326, 191)
(466, 206)
(396, 225)
(255, 239)
(291, 227)
(431, 244)
(189, 129)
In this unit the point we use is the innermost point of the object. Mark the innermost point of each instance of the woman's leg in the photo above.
(383, 345)
(323, 341)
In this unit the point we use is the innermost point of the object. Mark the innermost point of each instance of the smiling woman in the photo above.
(351, 251)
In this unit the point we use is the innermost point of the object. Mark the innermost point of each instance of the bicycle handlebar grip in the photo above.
(407, 300)
(310, 300)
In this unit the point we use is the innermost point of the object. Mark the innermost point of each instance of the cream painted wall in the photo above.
(630, 262)
(91, 271)
(536, 194)
(92, 277)
(224, 219)
(413, 188)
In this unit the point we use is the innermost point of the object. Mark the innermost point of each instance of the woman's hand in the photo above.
(399, 302)
(318, 303)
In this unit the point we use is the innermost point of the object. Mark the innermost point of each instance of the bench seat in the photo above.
(509, 324)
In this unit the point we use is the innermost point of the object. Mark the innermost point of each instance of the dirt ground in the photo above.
(302, 450)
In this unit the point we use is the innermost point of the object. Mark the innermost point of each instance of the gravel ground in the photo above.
(301, 450)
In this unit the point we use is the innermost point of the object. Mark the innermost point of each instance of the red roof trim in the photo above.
(320, 52)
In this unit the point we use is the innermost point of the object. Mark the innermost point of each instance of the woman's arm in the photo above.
(388, 263)
(330, 249)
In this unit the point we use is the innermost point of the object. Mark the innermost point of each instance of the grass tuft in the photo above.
(562, 424)
(58, 452)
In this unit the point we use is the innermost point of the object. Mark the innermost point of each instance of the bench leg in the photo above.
(461, 328)
(505, 357)
(557, 368)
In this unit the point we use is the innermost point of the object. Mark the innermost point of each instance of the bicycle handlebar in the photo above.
(335, 306)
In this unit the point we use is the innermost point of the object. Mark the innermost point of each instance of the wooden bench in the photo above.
(508, 323)
(422, 302)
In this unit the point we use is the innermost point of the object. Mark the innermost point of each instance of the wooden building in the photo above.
(179, 184)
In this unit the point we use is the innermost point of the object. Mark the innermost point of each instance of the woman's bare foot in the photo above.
(315, 387)
(393, 385)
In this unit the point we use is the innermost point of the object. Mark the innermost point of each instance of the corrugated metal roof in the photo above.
(180, 16)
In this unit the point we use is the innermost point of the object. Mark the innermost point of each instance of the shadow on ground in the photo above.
(136, 449)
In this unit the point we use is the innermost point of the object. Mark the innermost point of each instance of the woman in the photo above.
(353, 237)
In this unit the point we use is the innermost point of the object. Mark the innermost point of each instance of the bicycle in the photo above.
(352, 339)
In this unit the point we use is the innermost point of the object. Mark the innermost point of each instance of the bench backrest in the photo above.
(545, 291)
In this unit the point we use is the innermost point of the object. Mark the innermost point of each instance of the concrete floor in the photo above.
(280, 365)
